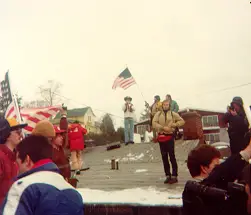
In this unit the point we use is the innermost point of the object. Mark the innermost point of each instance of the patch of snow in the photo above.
(141, 170)
(149, 196)
(129, 157)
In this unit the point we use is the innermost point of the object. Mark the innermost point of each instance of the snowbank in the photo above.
(134, 196)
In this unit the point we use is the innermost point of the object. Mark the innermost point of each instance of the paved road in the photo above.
(140, 165)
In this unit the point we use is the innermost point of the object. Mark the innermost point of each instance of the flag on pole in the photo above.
(32, 116)
(5, 91)
(124, 80)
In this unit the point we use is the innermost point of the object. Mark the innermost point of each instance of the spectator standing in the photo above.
(238, 125)
(154, 108)
(54, 135)
(173, 104)
(165, 122)
(77, 145)
(39, 188)
(10, 136)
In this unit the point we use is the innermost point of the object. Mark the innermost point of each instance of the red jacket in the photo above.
(8, 170)
(75, 135)
(62, 162)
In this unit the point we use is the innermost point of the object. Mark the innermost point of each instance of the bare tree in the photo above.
(35, 104)
(51, 92)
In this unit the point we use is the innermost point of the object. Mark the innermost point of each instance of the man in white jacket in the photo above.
(129, 110)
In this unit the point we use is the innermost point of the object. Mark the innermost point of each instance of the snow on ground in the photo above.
(129, 157)
(140, 196)
(141, 170)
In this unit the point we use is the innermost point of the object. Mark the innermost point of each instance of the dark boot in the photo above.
(168, 178)
(173, 180)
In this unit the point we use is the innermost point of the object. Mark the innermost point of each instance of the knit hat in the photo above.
(128, 98)
(44, 128)
(238, 100)
(157, 97)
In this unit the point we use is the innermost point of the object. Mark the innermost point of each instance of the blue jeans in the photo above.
(129, 129)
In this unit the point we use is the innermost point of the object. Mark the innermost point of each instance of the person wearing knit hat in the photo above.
(238, 125)
(156, 106)
(54, 134)
(10, 136)
(44, 128)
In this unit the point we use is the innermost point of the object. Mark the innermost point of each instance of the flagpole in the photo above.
(137, 85)
(16, 106)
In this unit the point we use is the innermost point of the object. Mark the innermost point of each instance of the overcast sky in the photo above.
(186, 48)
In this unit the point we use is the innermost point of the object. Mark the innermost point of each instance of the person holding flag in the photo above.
(154, 108)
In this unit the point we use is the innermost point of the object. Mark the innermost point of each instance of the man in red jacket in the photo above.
(10, 136)
(76, 140)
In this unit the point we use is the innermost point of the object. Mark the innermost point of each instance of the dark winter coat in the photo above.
(237, 131)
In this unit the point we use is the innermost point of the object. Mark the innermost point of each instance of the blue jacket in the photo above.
(42, 191)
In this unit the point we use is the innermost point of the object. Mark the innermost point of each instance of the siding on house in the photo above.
(207, 123)
(85, 116)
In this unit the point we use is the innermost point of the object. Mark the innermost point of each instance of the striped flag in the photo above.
(32, 116)
(5, 92)
(124, 80)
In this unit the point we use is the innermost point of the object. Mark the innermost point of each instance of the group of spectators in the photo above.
(205, 167)
(35, 172)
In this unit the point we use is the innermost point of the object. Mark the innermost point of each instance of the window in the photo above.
(212, 138)
(89, 118)
(210, 121)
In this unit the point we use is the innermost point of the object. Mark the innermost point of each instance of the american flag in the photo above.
(124, 80)
(5, 92)
(32, 116)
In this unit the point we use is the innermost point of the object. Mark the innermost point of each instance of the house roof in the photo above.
(142, 122)
(200, 109)
(74, 112)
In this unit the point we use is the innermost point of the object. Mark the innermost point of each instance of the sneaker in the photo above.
(77, 172)
(173, 180)
(126, 143)
(132, 142)
(168, 178)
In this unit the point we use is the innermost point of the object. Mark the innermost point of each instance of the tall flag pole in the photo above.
(6, 93)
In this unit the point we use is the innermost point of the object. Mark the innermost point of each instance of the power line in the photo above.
(81, 103)
(225, 89)
(88, 106)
